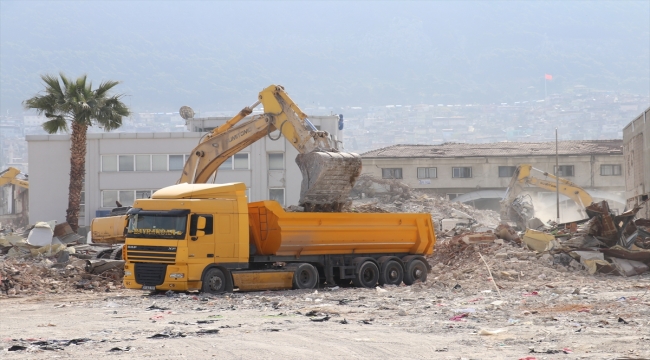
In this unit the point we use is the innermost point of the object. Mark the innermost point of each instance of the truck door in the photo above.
(225, 240)
(200, 248)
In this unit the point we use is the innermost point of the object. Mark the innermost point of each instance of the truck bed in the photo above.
(274, 231)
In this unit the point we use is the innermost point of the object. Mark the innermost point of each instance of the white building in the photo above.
(126, 166)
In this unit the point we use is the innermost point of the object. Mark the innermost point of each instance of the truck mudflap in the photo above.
(327, 179)
(250, 280)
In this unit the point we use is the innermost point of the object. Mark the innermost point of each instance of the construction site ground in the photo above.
(539, 313)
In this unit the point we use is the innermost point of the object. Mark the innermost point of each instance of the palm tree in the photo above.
(75, 102)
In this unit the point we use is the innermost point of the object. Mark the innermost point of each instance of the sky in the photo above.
(216, 55)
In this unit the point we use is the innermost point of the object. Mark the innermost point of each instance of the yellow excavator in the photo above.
(9, 177)
(518, 207)
(328, 174)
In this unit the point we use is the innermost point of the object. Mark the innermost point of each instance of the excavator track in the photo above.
(327, 179)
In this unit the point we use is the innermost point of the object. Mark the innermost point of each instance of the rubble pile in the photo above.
(36, 276)
(385, 195)
(48, 258)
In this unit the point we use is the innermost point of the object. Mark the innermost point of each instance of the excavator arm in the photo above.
(9, 177)
(525, 175)
(328, 175)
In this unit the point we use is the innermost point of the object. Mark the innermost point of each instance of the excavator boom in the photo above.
(9, 176)
(328, 174)
(514, 208)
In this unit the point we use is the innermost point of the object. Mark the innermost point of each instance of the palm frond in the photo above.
(56, 124)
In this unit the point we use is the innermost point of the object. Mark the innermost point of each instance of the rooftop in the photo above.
(450, 150)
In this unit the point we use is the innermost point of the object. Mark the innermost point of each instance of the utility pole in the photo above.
(557, 178)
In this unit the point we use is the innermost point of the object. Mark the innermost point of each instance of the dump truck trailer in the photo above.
(208, 237)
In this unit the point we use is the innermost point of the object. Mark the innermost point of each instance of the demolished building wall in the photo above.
(636, 152)
(589, 165)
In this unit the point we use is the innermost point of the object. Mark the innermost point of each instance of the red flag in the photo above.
(548, 77)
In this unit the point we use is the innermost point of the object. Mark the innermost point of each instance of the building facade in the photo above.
(122, 167)
(480, 173)
(636, 150)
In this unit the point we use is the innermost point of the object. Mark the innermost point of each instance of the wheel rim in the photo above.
(368, 275)
(393, 274)
(216, 283)
(304, 277)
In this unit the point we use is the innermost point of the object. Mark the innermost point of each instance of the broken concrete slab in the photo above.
(479, 238)
(538, 241)
(40, 235)
(629, 267)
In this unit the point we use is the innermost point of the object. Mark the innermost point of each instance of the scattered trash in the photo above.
(459, 317)
(121, 348)
(491, 332)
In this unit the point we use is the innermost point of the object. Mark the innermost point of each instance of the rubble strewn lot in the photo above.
(551, 293)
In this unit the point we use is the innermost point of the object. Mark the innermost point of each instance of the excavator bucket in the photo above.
(327, 179)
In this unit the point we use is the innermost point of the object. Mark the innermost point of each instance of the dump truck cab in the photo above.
(173, 237)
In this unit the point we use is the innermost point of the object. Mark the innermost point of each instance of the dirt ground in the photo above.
(452, 316)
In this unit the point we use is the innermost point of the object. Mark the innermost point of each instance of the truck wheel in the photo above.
(214, 281)
(367, 276)
(415, 270)
(391, 273)
(305, 276)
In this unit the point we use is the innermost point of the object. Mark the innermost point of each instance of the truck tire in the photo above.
(367, 276)
(415, 270)
(214, 281)
(305, 276)
(391, 273)
(117, 253)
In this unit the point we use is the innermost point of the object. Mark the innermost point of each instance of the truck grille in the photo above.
(150, 274)
(153, 254)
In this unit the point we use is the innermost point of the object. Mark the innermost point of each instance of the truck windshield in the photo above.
(157, 224)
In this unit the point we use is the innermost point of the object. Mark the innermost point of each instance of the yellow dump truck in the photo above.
(208, 237)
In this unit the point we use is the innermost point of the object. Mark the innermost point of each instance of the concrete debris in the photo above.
(462, 231)
(41, 260)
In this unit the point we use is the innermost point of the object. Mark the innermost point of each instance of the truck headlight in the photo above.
(177, 275)
(127, 273)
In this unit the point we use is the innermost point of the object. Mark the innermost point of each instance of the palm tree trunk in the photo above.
(77, 172)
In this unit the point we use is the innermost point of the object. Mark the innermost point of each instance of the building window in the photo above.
(610, 170)
(226, 165)
(277, 195)
(142, 194)
(126, 163)
(240, 161)
(461, 172)
(176, 162)
(109, 198)
(143, 163)
(565, 170)
(507, 171)
(124, 197)
(427, 173)
(159, 162)
(109, 163)
(276, 161)
(394, 173)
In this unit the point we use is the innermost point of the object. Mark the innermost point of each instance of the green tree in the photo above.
(75, 102)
